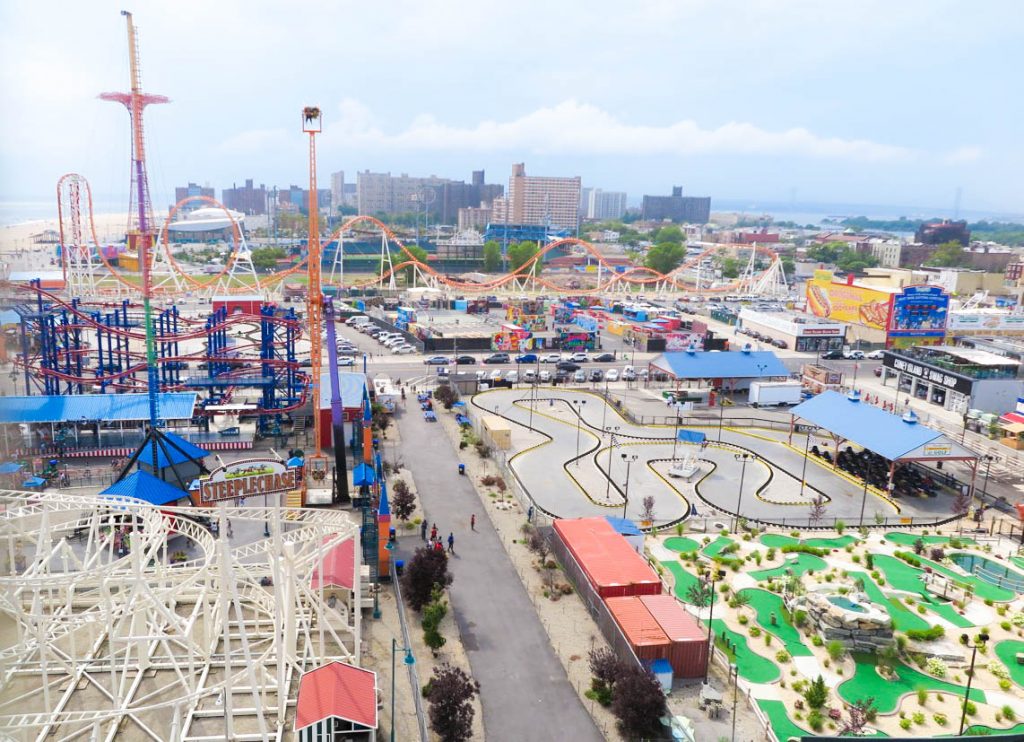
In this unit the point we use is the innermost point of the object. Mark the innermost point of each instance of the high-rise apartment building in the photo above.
(677, 208)
(554, 202)
(192, 189)
(248, 200)
(606, 204)
(441, 198)
(337, 189)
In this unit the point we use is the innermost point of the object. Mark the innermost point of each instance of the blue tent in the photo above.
(144, 486)
(33, 482)
(10, 468)
(178, 451)
(690, 436)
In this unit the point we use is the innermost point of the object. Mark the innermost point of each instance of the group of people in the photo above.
(435, 542)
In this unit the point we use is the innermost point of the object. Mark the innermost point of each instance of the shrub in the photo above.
(743, 620)
(799, 617)
(937, 554)
(816, 694)
(755, 632)
(1005, 685)
(770, 554)
(639, 702)
(918, 717)
(767, 639)
(836, 650)
(998, 669)
(1017, 619)
(840, 527)
(922, 696)
(927, 635)
(1008, 713)
(935, 666)
(970, 707)
(804, 549)
(904, 723)
(816, 720)
(1005, 625)
(817, 641)
(782, 656)
(909, 558)
(940, 719)
(450, 697)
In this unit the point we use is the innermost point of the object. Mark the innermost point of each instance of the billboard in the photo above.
(985, 322)
(247, 478)
(919, 311)
(844, 302)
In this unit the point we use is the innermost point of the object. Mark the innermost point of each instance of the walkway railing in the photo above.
(414, 679)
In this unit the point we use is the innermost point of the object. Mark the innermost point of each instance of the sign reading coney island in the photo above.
(857, 305)
(247, 478)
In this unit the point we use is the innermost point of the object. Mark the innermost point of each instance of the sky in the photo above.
(858, 102)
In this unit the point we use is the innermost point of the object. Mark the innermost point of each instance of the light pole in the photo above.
(803, 473)
(578, 404)
(978, 642)
(607, 402)
(721, 412)
(611, 430)
(863, 501)
(629, 458)
(408, 660)
(744, 457)
(734, 674)
(675, 438)
(716, 574)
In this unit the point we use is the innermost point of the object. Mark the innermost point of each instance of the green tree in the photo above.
(788, 266)
(398, 256)
(827, 252)
(665, 256)
(730, 267)
(519, 253)
(816, 694)
(265, 258)
(492, 256)
(949, 255)
(671, 233)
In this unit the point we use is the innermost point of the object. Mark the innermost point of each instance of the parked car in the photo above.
(580, 376)
(545, 375)
(854, 355)
(403, 349)
(577, 357)
(526, 358)
(876, 355)
(562, 376)
(612, 375)
(596, 375)
(529, 376)
(496, 375)
(436, 361)
(465, 360)
(346, 361)
(878, 370)
(497, 358)
(832, 355)
(568, 366)
(551, 358)
(512, 376)
(604, 358)
(628, 374)
(779, 343)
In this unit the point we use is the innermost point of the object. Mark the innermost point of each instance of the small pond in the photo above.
(995, 573)
(846, 604)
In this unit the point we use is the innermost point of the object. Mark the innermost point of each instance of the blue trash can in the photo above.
(399, 567)
(462, 469)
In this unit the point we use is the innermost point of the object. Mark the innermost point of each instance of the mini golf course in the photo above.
(715, 547)
(765, 604)
(681, 544)
(1007, 652)
(799, 565)
(752, 666)
(903, 619)
(777, 541)
(982, 589)
(683, 580)
(778, 717)
(901, 576)
(887, 692)
(908, 539)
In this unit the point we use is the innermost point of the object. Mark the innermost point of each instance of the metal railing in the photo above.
(414, 679)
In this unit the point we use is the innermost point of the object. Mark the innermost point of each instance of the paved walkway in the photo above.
(524, 690)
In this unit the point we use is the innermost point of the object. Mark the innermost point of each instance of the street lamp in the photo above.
(408, 661)
(744, 457)
(578, 403)
(803, 473)
(629, 458)
(611, 430)
(863, 500)
(675, 438)
(734, 675)
(716, 574)
(978, 642)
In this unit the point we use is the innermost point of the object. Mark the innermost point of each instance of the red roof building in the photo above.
(336, 699)
(339, 567)
(610, 563)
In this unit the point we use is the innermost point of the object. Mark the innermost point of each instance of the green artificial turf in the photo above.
(681, 544)
(715, 547)
(751, 665)
(1007, 651)
(683, 580)
(907, 539)
(764, 605)
(887, 692)
(902, 617)
(777, 540)
(799, 564)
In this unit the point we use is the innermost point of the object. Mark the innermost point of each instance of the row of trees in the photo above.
(518, 254)
(841, 255)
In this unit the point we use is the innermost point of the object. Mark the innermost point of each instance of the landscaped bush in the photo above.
(909, 558)
(816, 720)
(935, 666)
(941, 719)
(1008, 713)
(804, 549)
(927, 635)
(904, 723)
(836, 650)
(754, 632)
(998, 669)
(970, 707)
(743, 620)
(817, 641)
(782, 656)
(918, 717)
(1018, 619)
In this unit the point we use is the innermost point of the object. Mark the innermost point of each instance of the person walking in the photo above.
(433, 532)
(423, 530)
(451, 543)
(472, 522)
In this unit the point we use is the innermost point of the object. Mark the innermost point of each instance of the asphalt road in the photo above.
(524, 691)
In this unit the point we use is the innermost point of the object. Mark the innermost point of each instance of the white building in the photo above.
(606, 204)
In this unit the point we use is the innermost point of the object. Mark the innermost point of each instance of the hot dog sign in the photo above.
(848, 303)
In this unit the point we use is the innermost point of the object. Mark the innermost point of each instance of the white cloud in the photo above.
(254, 141)
(573, 128)
(964, 155)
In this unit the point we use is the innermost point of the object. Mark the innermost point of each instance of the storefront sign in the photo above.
(937, 449)
(986, 322)
(857, 305)
(247, 478)
(928, 373)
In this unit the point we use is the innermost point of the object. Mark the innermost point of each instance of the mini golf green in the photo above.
(777, 541)
(1019, 561)
(681, 544)
(683, 580)
(1007, 652)
(902, 617)
(778, 717)
(908, 539)
(715, 547)
(980, 730)
(765, 604)
(982, 589)
(902, 576)
(752, 666)
(887, 692)
(800, 564)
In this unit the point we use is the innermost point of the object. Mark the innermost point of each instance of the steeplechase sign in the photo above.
(248, 478)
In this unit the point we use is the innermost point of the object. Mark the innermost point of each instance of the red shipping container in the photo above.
(688, 653)
(642, 632)
(610, 563)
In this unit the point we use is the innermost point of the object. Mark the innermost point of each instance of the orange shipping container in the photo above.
(642, 632)
(688, 653)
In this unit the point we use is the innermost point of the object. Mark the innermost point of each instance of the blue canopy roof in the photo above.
(624, 526)
(363, 474)
(178, 449)
(33, 482)
(884, 433)
(755, 364)
(690, 436)
(10, 467)
(106, 407)
(144, 486)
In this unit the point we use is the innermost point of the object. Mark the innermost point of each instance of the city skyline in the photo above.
(789, 102)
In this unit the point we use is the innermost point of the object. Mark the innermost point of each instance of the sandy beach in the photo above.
(13, 237)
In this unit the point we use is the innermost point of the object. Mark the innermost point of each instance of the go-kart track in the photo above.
(566, 486)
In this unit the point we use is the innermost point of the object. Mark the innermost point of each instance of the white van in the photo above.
(512, 376)
(496, 375)
(359, 319)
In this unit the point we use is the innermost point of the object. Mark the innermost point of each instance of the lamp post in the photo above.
(734, 675)
(863, 501)
(744, 457)
(578, 403)
(715, 575)
(721, 410)
(629, 458)
(675, 438)
(978, 642)
(803, 472)
(611, 430)
(408, 660)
